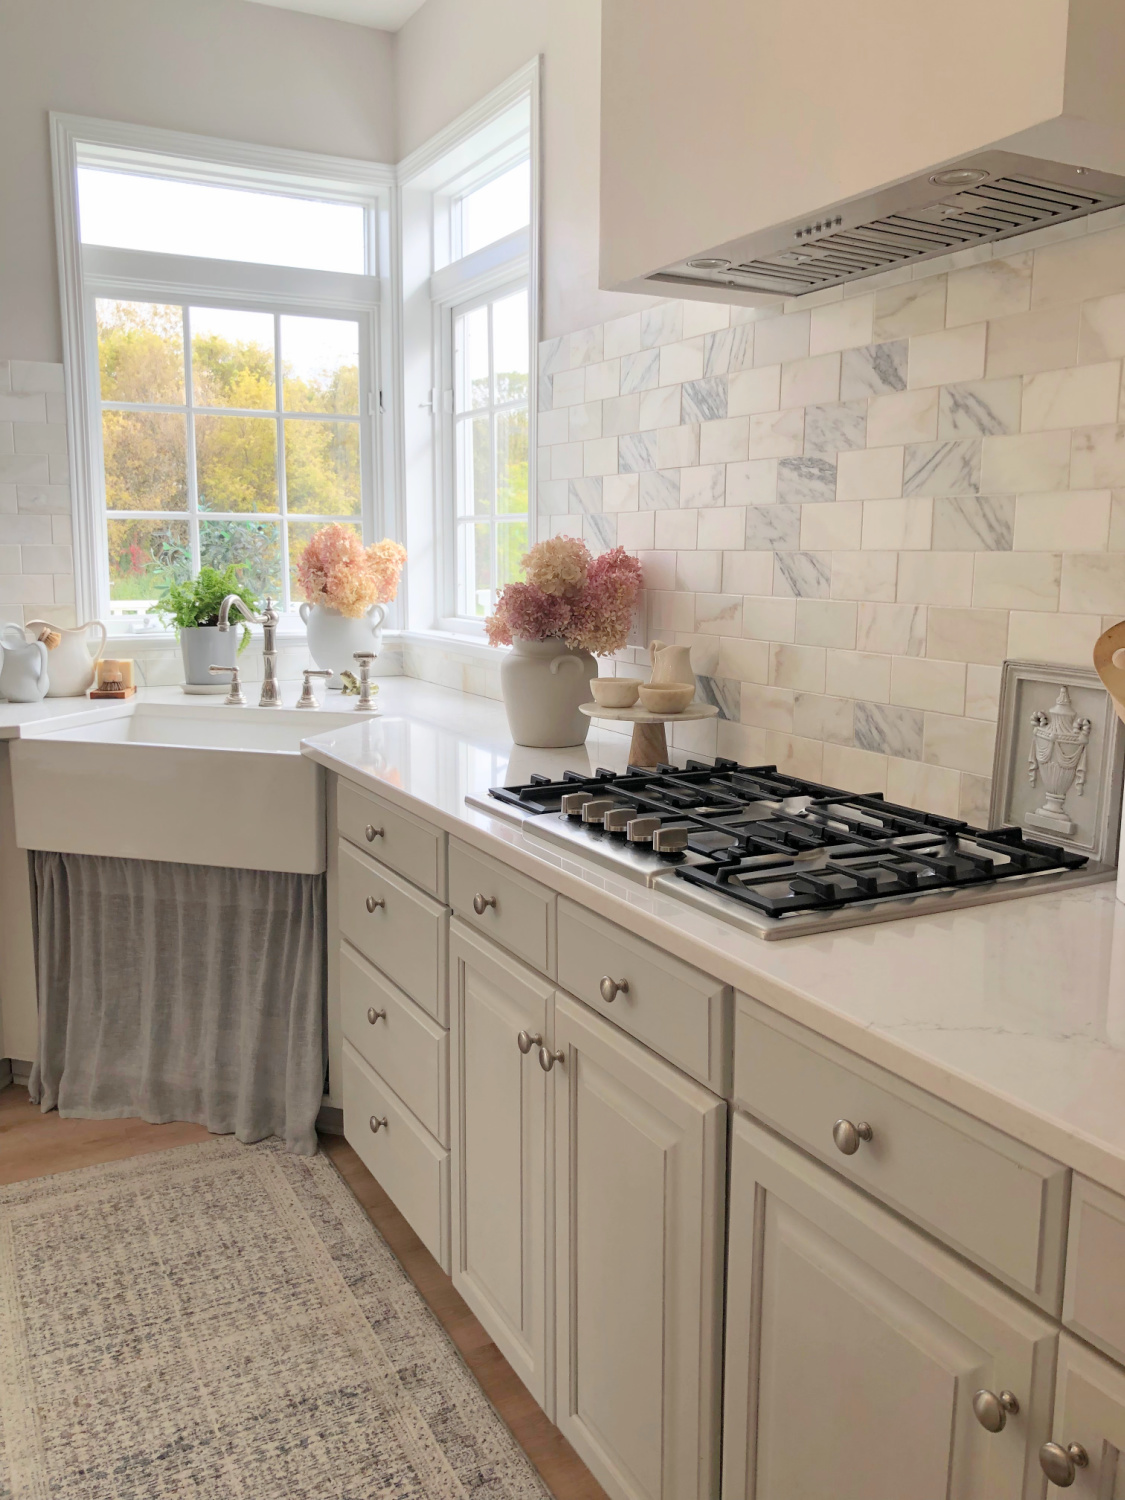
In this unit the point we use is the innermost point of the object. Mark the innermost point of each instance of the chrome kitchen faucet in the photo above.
(268, 619)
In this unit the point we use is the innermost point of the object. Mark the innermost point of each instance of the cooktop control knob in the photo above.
(596, 809)
(670, 840)
(618, 819)
(641, 830)
(573, 803)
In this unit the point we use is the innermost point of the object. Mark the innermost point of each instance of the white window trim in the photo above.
(83, 271)
(511, 260)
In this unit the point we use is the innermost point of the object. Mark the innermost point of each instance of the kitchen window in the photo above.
(225, 373)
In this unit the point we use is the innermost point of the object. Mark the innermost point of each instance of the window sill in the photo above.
(467, 647)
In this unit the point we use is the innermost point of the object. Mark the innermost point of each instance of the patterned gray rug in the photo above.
(224, 1322)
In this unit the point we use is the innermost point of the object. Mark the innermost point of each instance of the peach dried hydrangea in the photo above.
(337, 571)
(596, 616)
(558, 566)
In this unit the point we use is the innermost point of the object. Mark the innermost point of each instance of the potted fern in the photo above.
(193, 608)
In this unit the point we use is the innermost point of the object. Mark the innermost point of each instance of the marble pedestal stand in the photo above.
(649, 745)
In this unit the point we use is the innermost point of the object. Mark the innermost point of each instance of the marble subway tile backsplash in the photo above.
(855, 511)
(36, 556)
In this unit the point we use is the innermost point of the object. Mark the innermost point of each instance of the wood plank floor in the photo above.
(36, 1145)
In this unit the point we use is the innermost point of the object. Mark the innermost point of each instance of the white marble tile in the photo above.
(1077, 519)
(1101, 329)
(584, 496)
(1097, 458)
(959, 744)
(830, 528)
(946, 358)
(869, 474)
(902, 417)
(826, 622)
(586, 346)
(753, 482)
(748, 573)
(621, 492)
(554, 355)
(659, 565)
(982, 692)
(974, 523)
(805, 481)
(1037, 635)
(780, 339)
(936, 577)
(676, 447)
(998, 288)
(893, 629)
(980, 408)
(705, 400)
(585, 421)
(767, 706)
(949, 467)
(603, 381)
(659, 489)
(797, 667)
(770, 528)
(703, 485)
(810, 382)
(834, 428)
(659, 407)
(976, 791)
(864, 575)
(554, 426)
(568, 388)
(1080, 269)
(1082, 397)
(621, 336)
(722, 527)
(675, 530)
(600, 456)
(680, 362)
(770, 619)
(750, 391)
(1027, 461)
(621, 414)
(599, 533)
(1092, 581)
(705, 317)
(743, 661)
(897, 525)
(842, 325)
(873, 370)
(725, 441)
(818, 717)
(910, 308)
(637, 451)
(663, 324)
(805, 575)
(887, 729)
(979, 635)
(921, 682)
(730, 350)
(855, 770)
(699, 572)
(932, 788)
(857, 674)
(1016, 580)
(717, 614)
(566, 461)
(1044, 339)
(640, 372)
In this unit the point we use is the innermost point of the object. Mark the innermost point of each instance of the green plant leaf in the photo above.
(198, 601)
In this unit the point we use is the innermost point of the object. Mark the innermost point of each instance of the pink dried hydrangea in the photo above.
(336, 570)
(595, 616)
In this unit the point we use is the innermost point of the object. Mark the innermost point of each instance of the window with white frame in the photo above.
(473, 200)
(224, 350)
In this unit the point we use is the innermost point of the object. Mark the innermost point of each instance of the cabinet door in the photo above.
(639, 1174)
(1089, 1412)
(499, 1115)
(855, 1346)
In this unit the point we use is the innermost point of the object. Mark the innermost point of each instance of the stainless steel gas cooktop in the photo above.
(780, 856)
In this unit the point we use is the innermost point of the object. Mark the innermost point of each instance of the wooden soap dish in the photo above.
(112, 692)
(649, 745)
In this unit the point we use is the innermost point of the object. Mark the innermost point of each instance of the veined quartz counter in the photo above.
(1013, 1011)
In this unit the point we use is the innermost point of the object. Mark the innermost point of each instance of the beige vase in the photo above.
(543, 684)
(670, 663)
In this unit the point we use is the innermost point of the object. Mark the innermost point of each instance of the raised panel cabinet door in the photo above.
(499, 1105)
(856, 1346)
(1089, 1423)
(639, 1204)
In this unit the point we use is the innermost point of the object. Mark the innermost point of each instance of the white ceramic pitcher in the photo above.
(670, 663)
(72, 668)
(23, 667)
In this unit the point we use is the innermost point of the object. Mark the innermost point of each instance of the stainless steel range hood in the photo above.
(991, 196)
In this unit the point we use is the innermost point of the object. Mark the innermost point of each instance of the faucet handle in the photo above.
(236, 696)
(364, 658)
(308, 697)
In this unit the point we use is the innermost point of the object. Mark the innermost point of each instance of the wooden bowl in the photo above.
(667, 697)
(615, 692)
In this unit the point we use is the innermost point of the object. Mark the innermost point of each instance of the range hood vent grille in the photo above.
(915, 222)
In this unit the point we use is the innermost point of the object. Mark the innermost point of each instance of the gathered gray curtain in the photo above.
(181, 992)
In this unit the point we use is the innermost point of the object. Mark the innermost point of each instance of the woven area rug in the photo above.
(224, 1322)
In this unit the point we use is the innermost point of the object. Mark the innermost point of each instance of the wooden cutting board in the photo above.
(1109, 663)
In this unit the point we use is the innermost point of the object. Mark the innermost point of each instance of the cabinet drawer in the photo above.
(521, 914)
(405, 843)
(1000, 1203)
(1094, 1304)
(673, 1008)
(405, 1046)
(402, 1156)
(400, 930)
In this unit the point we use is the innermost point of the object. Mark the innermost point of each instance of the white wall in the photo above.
(450, 54)
(215, 67)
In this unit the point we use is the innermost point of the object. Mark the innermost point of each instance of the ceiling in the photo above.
(387, 15)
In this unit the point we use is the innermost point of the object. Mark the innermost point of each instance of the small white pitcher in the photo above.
(72, 667)
(23, 667)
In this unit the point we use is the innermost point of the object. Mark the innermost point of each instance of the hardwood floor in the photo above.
(36, 1145)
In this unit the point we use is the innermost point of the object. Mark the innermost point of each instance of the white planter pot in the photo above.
(335, 638)
(204, 647)
(543, 684)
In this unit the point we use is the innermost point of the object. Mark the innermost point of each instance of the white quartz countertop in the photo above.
(1014, 1011)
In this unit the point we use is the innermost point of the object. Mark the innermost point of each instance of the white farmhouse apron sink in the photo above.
(201, 784)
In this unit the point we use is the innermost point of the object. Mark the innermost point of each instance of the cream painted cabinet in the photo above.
(1088, 1432)
(639, 1196)
(499, 1018)
(856, 1346)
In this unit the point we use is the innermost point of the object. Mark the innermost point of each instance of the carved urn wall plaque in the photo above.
(1059, 753)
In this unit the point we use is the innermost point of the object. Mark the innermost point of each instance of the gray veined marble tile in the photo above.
(636, 451)
(947, 468)
(773, 528)
(585, 497)
(729, 349)
(974, 523)
(805, 481)
(554, 355)
(889, 730)
(662, 324)
(873, 370)
(660, 489)
(599, 532)
(835, 429)
(586, 346)
(546, 393)
(980, 408)
(724, 692)
(802, 575)
(640, 372)
(705, 400)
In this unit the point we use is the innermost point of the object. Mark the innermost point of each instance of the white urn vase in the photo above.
(544, 682)
(335, 638)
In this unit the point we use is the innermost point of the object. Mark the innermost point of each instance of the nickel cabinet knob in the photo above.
(848, 1136)
(373, 905)
(481, 903)
(1060, 1464)
(376, 1124)
(371, 833)
(374, 1015)
(611, 988)
(548, 1059)
(992, 1410)
(528, 1039)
